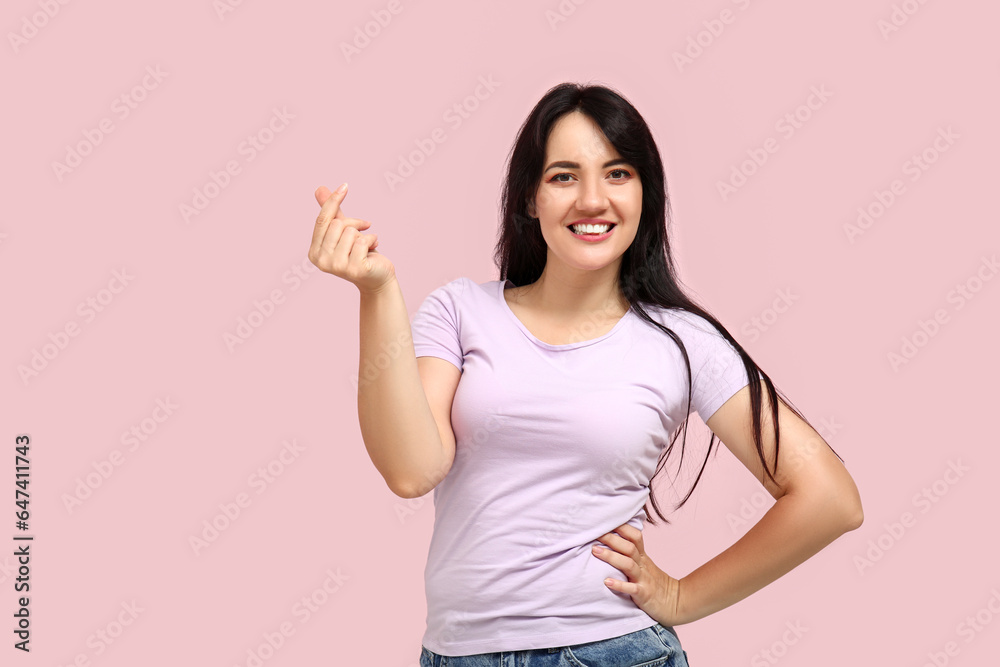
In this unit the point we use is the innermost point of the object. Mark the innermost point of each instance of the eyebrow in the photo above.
(573, 165)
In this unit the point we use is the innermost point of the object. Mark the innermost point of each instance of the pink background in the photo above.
(163, 335)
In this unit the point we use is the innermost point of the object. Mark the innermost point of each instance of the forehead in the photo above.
(575, 136)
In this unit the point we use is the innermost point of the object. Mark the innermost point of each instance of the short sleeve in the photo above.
(717, 371)
(435, 325)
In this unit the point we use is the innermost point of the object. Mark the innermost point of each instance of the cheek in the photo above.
(637, 201)
(554, 201)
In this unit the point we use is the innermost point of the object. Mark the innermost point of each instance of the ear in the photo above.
(531, 208)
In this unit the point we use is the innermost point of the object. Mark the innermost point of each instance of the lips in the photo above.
(591, 221)
(593, 237)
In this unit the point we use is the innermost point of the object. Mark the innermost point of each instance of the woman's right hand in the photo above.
(339, 247)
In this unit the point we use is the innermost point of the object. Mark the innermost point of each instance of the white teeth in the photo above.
(590, 229)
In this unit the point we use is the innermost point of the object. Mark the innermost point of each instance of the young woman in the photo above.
(538, 408)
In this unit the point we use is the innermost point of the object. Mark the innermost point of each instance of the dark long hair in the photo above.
(647, 274)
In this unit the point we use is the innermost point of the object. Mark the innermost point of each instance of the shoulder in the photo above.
(683, 322)
(464, 288)
(702, 341)
(463, 294)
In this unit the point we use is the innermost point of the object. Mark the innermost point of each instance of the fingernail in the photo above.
(596, 549)
(342, 188)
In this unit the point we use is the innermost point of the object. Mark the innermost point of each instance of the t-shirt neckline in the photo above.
(501, 284)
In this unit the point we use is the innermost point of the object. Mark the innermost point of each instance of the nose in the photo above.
(592, 195)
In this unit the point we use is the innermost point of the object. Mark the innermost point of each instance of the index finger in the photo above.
(330, 209)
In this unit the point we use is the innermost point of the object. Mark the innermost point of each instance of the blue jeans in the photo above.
(655, 646)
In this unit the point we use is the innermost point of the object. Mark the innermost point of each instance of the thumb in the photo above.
(323, 193)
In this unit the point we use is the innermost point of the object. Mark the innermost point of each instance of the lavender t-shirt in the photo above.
(555, 446)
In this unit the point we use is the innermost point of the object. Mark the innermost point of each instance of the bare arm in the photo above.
(399, 429)
(816, 502)
(411, 446)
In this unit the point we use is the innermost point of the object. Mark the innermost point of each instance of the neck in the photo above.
(569, 293)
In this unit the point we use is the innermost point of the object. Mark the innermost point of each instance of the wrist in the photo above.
(384, 288)
(687, 602)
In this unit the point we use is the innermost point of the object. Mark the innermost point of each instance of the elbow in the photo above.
(405, 490)
(844, 500)
(854, 513)
(415, 484)
(840, 507)
(409, 488)
(855, 517)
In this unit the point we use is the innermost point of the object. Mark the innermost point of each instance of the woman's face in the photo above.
(585, 177)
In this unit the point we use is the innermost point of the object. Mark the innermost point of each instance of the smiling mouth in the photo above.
(589, 229)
